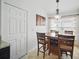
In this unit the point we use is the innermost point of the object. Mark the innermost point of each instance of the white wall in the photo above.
(32, 28)
(42, 28)
(32, 9)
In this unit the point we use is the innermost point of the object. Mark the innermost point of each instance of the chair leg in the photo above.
(38, 51)
(49, 53)
(71, 55)
(44, 55)
(49, 50)
(59, 55)
(44, 52)
(66, 54)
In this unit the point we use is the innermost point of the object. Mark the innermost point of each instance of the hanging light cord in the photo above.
(57, 10)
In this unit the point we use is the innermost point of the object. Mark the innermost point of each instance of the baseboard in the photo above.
(76, 43)
(23, 56)
(32, 50)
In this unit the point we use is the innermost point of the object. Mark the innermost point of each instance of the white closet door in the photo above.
(13, 49)
(16, 29)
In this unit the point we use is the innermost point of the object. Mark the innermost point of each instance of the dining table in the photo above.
(51, 39)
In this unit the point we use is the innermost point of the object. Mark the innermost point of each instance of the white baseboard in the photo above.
(35, 48)
(76, 43)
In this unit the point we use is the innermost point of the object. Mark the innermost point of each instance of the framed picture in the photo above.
(40, 20)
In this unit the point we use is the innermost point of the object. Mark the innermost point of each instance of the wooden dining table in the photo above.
(51, 38)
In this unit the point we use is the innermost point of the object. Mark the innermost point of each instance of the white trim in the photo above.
(32, 50)
(14, 6)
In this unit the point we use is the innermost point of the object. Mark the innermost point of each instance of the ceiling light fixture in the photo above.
(57, 16)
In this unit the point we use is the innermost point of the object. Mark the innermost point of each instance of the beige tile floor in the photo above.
(33, 55)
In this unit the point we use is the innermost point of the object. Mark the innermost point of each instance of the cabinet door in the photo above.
(5, 56)
(5, 53)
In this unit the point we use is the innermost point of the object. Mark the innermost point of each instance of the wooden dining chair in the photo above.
(66, 44)
(42, 40)
(68, 32)
(54, 31)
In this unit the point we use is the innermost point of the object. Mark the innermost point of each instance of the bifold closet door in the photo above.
(15, 27)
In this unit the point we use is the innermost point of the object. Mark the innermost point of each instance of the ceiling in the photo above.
(65, 6)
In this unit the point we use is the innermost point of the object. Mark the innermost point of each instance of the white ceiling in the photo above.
(65, 6)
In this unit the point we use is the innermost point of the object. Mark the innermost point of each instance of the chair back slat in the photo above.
(66, 40)
(41, 34)
(55, 32)
(69, 32)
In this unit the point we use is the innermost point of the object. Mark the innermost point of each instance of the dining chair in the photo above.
(42, 43)
(55, 32)
(66, 44)
(68, 32)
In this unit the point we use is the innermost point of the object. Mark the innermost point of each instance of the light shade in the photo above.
(57, 16)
